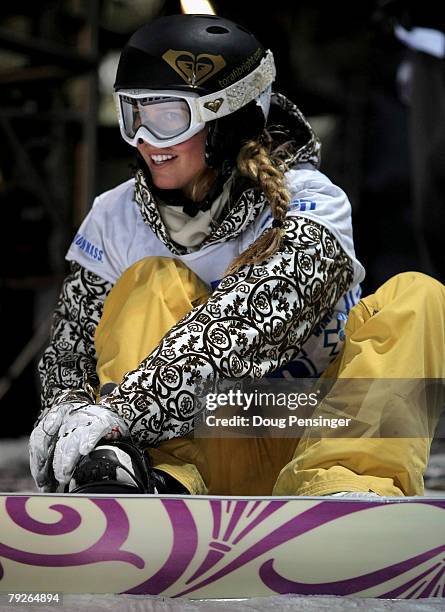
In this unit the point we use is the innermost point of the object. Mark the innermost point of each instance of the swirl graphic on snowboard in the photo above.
(211, 546)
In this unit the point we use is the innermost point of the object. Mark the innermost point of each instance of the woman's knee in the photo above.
(428, 283)
(409, 285)
(432, 291)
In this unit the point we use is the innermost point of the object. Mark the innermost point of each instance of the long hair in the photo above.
(202, 184)
(257, 162)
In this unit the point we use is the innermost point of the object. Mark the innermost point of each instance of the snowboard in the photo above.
(203, 547)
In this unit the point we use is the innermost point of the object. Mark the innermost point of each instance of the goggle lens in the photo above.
(164, 117)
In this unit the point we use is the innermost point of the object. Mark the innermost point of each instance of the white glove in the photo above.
(42, 443)
(67, 432)
(79, 434)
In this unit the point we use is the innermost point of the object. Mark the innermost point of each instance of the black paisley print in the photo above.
(297, 151)
(233, 220)
(256, 321)
(68, 366)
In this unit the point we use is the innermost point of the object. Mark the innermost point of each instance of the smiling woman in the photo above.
(228, 255)
(178, 167)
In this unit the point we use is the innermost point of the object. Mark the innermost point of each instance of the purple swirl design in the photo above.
(16, 509)
(215, 506)
(316, 516)
(107, 548)
(237, 513)
(419, 583)
(185, 543)
(233, 520)
(350, 586)
(214, 556)
(262, 516)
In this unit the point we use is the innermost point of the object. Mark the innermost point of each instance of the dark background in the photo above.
(59, 147)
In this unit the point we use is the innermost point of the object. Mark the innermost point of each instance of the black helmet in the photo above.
(200, 53)
(208, 69)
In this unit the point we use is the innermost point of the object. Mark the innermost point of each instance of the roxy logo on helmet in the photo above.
(194, 69)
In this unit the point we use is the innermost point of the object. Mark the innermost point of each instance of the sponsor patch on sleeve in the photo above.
(88, 247)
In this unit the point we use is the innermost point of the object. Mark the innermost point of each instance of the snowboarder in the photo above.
(228, 255)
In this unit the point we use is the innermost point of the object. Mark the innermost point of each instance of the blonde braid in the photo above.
(256, 162)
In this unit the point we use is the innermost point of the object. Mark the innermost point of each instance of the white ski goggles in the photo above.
(166, 118)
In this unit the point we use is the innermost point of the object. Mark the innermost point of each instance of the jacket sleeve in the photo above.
(68, 365)
(255, 322)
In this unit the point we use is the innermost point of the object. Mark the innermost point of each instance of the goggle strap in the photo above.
(234, 97)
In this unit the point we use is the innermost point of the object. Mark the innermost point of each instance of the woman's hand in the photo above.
(68, 431)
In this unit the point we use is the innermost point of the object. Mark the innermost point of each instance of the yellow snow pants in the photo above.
(396, 333)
